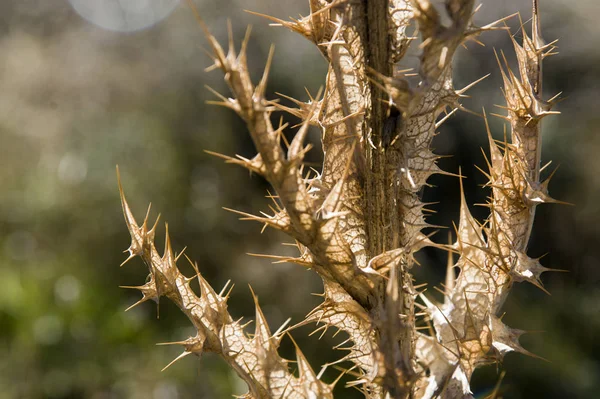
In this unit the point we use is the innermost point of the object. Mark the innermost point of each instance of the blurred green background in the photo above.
(86, 85)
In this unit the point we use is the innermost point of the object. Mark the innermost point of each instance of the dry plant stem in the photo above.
(359, 221)
(254, 359)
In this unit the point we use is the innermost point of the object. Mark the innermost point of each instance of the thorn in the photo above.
(555, 99)
(144, 298)
(131, 256)
(219, 54)
(492, 26)
(445, 118)
(184, 354)
(259, 91)
(283, 326)
(470, 85)
(221, 97)
(170, 343)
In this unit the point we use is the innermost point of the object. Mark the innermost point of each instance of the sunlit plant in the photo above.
(358, 221)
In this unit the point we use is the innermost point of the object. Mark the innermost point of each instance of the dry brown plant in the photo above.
(359, 221)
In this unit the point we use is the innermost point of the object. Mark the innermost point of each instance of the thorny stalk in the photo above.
(359, 222)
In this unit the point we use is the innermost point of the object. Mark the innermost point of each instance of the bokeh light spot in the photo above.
(48, 330)
(124, 15)
(21, 245)
(165, 390)
(67, 288)
(72, 169)
(57, 383)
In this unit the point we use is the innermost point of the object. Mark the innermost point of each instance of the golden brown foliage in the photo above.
(359, 221)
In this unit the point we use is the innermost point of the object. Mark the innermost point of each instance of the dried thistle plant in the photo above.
(359, 221)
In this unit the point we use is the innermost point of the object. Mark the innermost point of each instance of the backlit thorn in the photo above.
(218, 53)
(323, 330)
(470, 85)
(230, 43)
(184, 354)
(276, 21)
(341, 344)
(282, 329)
(284, 259)
(132, 226)
(489, 27)
(144, 299)
(254, 165)
(311, 99)
(226, 102)
(171, 343)
(245, 41)
(279, 221)
(224, 288)
(259, 91)
(445, 118)
(297, 150)
(131, 256)
(544, 184)
(177, 256)
(468, 111)
(151, 233)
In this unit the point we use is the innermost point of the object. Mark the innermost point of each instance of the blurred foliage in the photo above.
(78, 99)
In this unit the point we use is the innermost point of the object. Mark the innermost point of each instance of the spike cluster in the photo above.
(492, 257)
(359, 221)
(254, 358)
